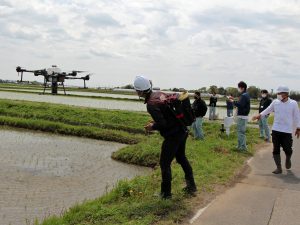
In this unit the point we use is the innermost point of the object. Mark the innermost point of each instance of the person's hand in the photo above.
(297, 133)
(257, 117)
(149, 127)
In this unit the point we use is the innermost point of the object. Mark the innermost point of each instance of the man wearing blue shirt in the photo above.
(243, 109)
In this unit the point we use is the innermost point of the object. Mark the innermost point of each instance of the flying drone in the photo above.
(54, 75)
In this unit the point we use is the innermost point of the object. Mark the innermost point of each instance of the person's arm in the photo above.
(159, 120)
(241, 102)
(296, 115)
(267, 111)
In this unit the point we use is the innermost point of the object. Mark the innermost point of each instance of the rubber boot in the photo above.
(166, 190)
(288, 163)
(277, 160)
(190, 186)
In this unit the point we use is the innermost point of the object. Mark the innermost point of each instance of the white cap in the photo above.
(141, 83)
(282, 89)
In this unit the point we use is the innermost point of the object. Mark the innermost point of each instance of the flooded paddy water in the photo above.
(79, 93)
(96, 103)
(45, 174)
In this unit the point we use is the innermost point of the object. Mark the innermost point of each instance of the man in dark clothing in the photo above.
(263, 121)
(174, 133)
(212, 106)
(229, 106)
(243, 109)
(200, 109)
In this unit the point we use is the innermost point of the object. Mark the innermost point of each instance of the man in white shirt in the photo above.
(286, 119)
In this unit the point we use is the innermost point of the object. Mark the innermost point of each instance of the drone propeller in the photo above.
(79, 71)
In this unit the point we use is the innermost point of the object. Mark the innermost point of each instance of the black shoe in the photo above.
(162, 196)
(191, 190)
(165, 196)
(277, 171)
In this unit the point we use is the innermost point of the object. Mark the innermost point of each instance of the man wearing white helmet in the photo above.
(174, 134)
(286, 120)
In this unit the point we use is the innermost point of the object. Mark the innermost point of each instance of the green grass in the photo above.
(106, 119)
(271, 119)
(215, 161)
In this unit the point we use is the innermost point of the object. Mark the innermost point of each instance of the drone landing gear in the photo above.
(54, 87)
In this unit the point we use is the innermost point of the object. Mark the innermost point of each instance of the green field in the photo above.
(215, 162)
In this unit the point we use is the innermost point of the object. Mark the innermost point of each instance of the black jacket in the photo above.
(164, 120)
(264, 103)
(199, 107)
(243, 104)
(213, 101)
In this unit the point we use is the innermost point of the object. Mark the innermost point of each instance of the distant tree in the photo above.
(221, 91)
(295, 95)
(128, 86)
(213, 88)
(232, 90)
(175, 89)
(202, 90)
(254, 92)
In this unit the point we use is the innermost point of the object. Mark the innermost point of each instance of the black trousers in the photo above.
(174, 147)
(284, 140)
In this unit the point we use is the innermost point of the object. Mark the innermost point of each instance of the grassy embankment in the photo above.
(215, 162)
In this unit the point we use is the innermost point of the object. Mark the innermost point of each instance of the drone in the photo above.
(54, 75)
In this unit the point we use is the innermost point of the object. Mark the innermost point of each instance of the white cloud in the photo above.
(177, 43)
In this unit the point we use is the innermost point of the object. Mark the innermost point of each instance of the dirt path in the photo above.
(44, 174)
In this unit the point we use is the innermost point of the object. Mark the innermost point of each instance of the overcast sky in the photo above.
(176, 43)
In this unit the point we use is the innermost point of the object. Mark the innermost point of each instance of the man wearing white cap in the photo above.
(286, 120)
(173, 132)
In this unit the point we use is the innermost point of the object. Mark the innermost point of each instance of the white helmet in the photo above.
(142, 84)
(282, 89)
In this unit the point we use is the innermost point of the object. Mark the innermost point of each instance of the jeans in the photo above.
(241, 133)
(264, 128)
(284, 140)
(173, 147)
(229, 112)
(197, 128)
(212, 112)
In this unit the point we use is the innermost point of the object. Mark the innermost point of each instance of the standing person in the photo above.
(263, 121)
(229, 105)
(212, 106)
(243, 109)
(173, 132)
(200, 109)
(286, 119)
